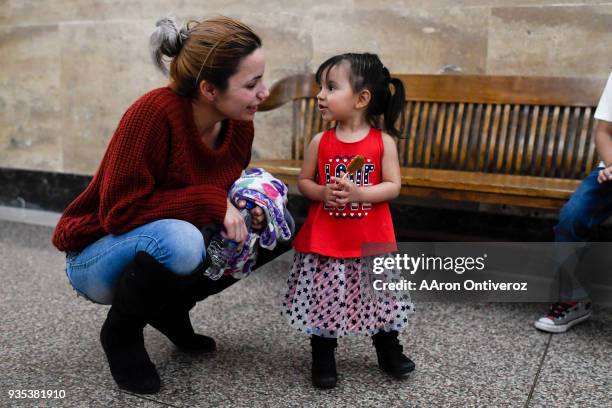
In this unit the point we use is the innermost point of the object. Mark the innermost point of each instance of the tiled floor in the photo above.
(466, 354)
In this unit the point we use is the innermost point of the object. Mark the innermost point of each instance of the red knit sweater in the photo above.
(155, 167)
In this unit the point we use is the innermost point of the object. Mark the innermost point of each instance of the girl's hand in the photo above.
(258, 217)
(328, 196)
(235, 228)
(348, 192)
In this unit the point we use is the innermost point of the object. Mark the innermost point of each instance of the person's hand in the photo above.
(235, 228)
(605, 174)
(328, 197)
(258, 217)
(348, 192)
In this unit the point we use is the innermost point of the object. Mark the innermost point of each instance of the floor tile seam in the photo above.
(470, 388)
(451, 365)
(537, 375)
(144, 397)
(97, 385)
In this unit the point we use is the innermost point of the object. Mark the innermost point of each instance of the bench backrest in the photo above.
(539, 126)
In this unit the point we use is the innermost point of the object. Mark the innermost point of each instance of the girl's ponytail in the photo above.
(395, 108)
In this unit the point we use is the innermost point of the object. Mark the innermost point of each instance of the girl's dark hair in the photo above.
(368, 72)
(201, 50)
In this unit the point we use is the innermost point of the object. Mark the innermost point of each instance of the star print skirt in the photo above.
(333, 297)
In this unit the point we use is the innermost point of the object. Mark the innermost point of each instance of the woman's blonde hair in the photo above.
(208, 50)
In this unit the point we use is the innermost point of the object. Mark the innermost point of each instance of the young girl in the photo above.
(328, 295)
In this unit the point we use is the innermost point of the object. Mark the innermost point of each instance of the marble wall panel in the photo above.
(30, 123)
(28, 12)
(289, 50)
(32, 12)
(273, 134)
(407, 4)
(554, 41)
(105, 68)
(5, 12)
(72, 67)
(417, 40)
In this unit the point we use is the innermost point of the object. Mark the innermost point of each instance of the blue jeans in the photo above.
(175, 244)
(589, 206)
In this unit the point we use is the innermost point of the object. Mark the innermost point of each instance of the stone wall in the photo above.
(70, 68)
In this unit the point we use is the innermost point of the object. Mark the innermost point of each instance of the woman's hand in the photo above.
(347, 191)
(258, 217)
(235, 228)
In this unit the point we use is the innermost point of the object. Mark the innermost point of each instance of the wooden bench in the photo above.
(519, 141)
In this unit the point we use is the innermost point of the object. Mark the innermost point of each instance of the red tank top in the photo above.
(340, 232)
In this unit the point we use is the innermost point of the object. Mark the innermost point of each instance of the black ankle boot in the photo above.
(123, 342)
(390, 355)
(324, 373)
(175, 324)
(143, 290)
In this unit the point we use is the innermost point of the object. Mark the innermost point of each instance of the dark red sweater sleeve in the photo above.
(134, 165)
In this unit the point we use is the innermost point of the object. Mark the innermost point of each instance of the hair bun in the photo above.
(166, 40)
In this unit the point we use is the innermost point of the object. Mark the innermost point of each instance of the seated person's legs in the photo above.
(590, 205)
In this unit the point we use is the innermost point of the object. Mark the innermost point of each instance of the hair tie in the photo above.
(183, 35)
